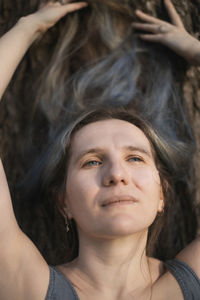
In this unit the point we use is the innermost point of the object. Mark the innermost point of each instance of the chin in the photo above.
(125, 226)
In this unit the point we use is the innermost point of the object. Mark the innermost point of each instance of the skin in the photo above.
(21, 265)
(112, 170)
(25, 32)
(114, 236)
(171, 35)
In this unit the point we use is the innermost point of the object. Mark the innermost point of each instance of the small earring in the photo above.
(67, 224)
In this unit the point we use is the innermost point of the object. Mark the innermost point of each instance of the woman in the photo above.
(100, 39)
(98, 57)
(113, 176)
(117, 183)
(109, 179)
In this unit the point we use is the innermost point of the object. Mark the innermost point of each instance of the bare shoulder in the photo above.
(191, 255)
(162, 279)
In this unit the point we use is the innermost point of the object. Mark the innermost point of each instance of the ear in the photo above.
(161, 202)
(62, 206)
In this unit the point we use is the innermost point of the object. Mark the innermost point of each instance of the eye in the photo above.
(92, 163)
(135, 159)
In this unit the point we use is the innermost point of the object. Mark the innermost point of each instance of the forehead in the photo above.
(105, 133)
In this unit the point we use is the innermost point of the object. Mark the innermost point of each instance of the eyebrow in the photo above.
(139, 149)
(89, 151)
(101, 151)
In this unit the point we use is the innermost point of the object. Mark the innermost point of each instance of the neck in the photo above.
(115, 265)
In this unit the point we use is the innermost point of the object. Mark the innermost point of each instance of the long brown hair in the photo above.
(98, 59)
(98, 55)
(169, 159)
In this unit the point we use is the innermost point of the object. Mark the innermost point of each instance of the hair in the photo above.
(99, 60)
(98, 56)
(51, 179)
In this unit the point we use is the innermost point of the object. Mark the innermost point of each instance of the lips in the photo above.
(122, 199)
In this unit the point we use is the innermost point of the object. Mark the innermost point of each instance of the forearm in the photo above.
(15, 43)
(13, 46)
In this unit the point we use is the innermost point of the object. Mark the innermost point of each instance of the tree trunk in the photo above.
(18, 101)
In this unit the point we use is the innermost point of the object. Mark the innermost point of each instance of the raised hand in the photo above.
(49, 14)
(172, 35)
(25, 32)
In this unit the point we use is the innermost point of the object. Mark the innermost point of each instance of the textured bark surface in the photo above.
(17, 104)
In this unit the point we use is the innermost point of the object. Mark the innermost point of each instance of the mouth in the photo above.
(119, 200)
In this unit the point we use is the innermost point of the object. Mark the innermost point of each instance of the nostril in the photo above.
(111, 181)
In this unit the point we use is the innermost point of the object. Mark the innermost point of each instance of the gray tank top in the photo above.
(186, 277)
(60, 288)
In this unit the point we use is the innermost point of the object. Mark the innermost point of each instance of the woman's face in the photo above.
(113, 187)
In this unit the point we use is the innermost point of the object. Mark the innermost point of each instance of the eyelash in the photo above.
(138, 159)
(94, 163)
(90, 163)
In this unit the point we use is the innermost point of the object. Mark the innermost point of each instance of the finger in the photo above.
(147, 18)
(74, 6)
(63, 2)
(148, 27)
(151, 37)
(174, 16)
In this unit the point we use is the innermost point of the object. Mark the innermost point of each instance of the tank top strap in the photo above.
(186, 277)
(60, 288)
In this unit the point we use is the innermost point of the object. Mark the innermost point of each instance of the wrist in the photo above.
(31, 28)
(196, 56)
(194, 52)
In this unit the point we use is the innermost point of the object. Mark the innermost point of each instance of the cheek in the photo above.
(147, 177)
(148, 182)
(80, 191)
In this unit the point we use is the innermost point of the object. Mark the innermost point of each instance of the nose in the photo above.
(115, 174)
